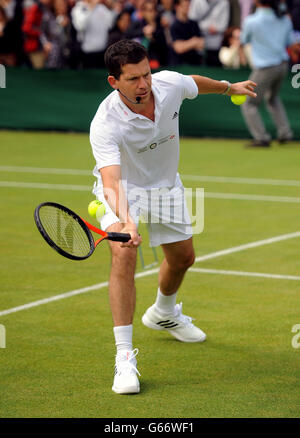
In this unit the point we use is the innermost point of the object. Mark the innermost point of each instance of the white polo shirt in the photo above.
(147, 151)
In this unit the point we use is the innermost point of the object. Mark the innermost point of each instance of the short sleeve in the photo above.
(183, 83)
(190, 89)
(105, 145)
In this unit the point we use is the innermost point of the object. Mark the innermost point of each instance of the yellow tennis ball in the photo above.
(238, 99)
(100, 212)
(92, 208)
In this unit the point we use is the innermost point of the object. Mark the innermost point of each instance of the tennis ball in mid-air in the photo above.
(238, 99)
(100, 212)
(92, 208)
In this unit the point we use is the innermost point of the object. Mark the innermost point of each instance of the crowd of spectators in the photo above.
(75, 33)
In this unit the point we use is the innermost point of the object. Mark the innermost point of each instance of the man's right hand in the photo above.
(135, 240)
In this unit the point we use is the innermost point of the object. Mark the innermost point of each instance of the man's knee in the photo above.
(185, 261)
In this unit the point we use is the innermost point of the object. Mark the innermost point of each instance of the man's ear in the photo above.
(112, 82)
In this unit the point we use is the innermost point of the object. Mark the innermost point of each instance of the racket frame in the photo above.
(80, 221)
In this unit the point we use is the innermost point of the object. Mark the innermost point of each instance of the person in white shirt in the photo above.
(212, 17)
(92, 21)
(135, 142)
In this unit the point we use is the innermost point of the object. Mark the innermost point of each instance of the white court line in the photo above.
(260, 198)
(216, 179)
(153, 271)
(29, 185)
(237, 180)
(69, 294)
(248, 246)
(45, 170)
(230, 196)
(245, 274)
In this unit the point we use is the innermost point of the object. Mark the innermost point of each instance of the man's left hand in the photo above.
(245, 87)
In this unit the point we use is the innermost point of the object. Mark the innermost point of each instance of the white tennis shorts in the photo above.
(164, 210)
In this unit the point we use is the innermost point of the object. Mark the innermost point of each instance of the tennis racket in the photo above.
(68, 233)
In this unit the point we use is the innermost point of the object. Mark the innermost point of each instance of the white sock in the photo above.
(123, 337)
(165, 303)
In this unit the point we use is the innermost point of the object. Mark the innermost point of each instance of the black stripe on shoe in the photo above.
(170, 325)
(163, 322)
(167, 324)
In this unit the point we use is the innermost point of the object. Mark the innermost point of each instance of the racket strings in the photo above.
(64, 230)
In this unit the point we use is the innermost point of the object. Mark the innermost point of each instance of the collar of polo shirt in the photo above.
(126, 113)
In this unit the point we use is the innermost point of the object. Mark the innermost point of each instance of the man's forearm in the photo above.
(114, 193)
(117, 200)
(183, 46)
(206, 85)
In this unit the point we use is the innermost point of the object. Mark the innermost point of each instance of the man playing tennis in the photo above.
(135, 141)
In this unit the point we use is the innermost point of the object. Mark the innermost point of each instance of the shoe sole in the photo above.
(148, 323)
(128, 390)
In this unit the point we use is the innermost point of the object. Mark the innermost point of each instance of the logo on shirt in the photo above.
(175, 115)
(145, 148)
(155, 144)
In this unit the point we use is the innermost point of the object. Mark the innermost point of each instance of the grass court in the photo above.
(243, 291)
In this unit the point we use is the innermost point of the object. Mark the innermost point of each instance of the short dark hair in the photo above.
(278, 7)
(177, 2)
(121, 53)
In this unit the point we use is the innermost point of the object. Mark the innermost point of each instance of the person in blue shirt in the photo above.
(269, 31)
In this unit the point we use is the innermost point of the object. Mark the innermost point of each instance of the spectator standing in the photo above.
(154, 37)
(32, 32)
(8, 47)
(137, 14)
(212, 17)
(232, 54)
(235, 13)
(149, 32)
(93, 21)
(269, 35)
(167, 18)
(13, 9)
(294, 9)
(167, 12)
(56, 34)
(294, 49)
(119, 30)
(247, 7)
(187, 41)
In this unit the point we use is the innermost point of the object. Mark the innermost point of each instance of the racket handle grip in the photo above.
(119, 237)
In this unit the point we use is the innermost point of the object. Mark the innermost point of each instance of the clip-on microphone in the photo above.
(138, 99)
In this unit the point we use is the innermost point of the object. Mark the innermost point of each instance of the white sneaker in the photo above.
(177, 324)
(126, 380)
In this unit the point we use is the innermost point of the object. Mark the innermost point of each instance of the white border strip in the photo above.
(237, 180)
(216, 179)
(29, 185)
(69, 294)
(152, 271)
(248, 246)
(245, 274)
(83, 188)
(45, 170)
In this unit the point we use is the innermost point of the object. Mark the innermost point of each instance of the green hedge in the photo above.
(67, 100)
